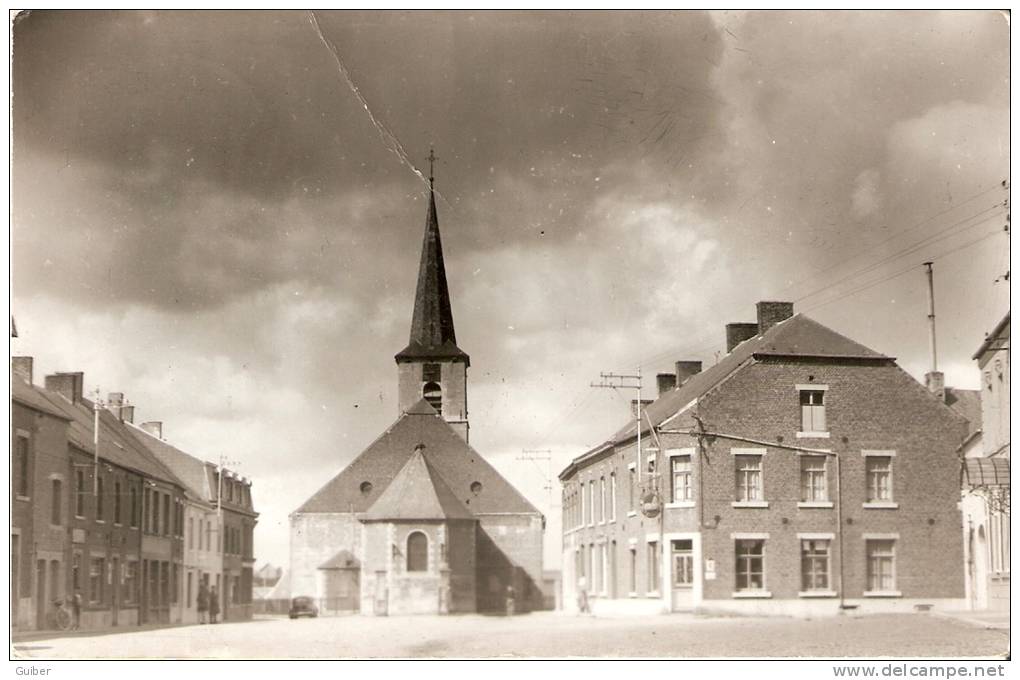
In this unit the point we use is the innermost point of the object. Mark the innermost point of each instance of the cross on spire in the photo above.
(432, 161)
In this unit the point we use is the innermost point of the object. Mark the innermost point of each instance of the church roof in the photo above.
(432, 332)
(418, 492)
(367, 477)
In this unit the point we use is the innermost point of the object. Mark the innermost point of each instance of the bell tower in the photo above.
(432, 366)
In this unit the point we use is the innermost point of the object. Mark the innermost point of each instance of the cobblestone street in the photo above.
(539, 635)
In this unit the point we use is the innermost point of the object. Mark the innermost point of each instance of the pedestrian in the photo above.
(582, 596)
(76, 610)
(510, 600)
(214, 604)
(202, 602)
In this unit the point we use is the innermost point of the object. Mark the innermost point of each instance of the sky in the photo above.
(220, 214)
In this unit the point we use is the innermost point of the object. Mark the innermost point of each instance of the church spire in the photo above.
(432, 333)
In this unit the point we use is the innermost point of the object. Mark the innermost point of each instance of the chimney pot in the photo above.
(737, 333)
(154, 427)
(666, 382)
(67, 384)
(686, 369)
(22, 367)
(771, 313)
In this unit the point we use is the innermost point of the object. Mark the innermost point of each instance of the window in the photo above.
(97, 576)
(602, 500)
(812, 411)
(651, 464)
(166, 513)
(154, 502)
(433, 394)
(189, 600)
(813, 487)
(417, 552)
(134, 507)
(591, 502)
(631, 487)
(750, 565)
(653, 566)
(116, 503)
(431, 373)
(79, 493)
(57, 489)
(814, 564)
(175, 584)
(879, 475)
(612, 496)
(100, 515)
(23, 465)
(881, 565)
(191, 532)
(682, 488)
(748, 478)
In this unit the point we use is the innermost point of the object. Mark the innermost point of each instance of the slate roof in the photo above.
(432, 333)
(116, 445)
(797, 336)
(968, 404)
(418, 492)
(190, 470)
(29, 395)
(457, 463)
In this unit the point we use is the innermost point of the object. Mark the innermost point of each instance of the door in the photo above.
(40, 595)
(15, 577)
(682, 576)
(115, 588)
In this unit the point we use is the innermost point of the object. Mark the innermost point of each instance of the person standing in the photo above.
(214, 604)
(76, 610)
(202, 602)
(511, 600)
(582, 596)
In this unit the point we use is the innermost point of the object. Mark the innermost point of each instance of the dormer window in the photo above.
(433, 394)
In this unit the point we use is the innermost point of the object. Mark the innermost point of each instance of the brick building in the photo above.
(802, 473)
(358, 543)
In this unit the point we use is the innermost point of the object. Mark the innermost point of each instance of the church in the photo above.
(419, 522)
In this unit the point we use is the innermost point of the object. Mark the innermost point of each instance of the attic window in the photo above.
(366, 488)
(476, 488)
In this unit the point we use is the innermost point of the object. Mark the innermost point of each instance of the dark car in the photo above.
(303, 606)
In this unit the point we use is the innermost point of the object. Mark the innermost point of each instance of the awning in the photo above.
(986, 472)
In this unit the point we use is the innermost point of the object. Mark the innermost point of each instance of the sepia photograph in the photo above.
(672, 335)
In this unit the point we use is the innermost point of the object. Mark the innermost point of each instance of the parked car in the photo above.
(303, 606)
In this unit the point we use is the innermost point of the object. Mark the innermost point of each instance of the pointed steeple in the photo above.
(432, 333)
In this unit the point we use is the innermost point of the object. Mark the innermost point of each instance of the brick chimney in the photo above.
(114, 403)
(67, 385)
(22, 368)
(771, 313)
(127, 413)
(737, 333)
(935, 381)
(154, 427)
(686, 369)
(633, 405)
(666, 382)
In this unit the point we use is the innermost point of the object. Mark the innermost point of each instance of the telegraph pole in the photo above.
(629, 382)
(931, 315)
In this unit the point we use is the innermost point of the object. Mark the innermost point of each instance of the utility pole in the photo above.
(931, 315)
(628, 382)
(536, 455)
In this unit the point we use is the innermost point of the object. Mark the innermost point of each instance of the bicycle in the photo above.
(62, 615)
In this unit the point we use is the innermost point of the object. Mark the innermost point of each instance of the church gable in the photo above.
(471, 479)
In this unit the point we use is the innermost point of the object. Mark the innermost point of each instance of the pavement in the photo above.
(992, 620)
(538, 635)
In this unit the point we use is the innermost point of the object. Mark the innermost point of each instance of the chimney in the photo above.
(737, 333)
(127, 414)
(935, 381)
(633, 405)
(154, 427)
(686, 369)
(666, 382)
(22, 367)
(114, 403)
(67, 385)
(771, 313)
